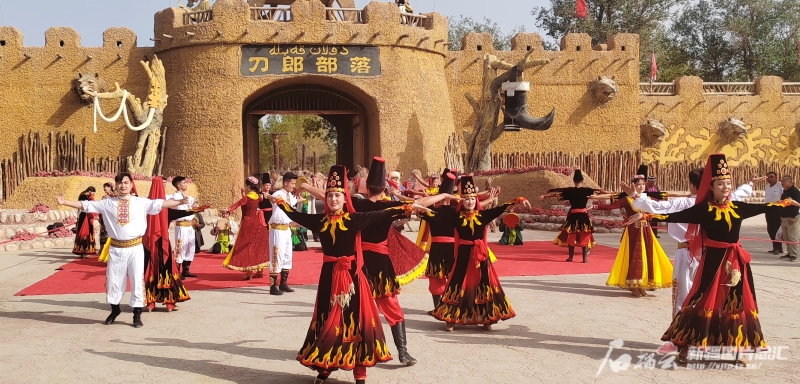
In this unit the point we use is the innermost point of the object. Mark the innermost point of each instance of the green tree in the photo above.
(463, 25)
(697, 44)
(764, 37)
(292, 136)
(606, 18)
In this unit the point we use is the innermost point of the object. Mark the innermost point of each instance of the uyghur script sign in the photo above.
(258, 60)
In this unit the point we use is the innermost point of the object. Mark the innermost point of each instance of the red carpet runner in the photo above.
(532, 259)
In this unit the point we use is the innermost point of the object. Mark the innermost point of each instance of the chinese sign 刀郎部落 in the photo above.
(258, 60)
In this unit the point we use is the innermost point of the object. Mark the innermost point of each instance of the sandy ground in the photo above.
(561, 334)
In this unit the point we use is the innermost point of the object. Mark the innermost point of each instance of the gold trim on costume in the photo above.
(279, 227)
(683, 245)
(126, 243)
(185, 223)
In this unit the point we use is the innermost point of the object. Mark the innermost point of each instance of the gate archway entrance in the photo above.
(346, 113)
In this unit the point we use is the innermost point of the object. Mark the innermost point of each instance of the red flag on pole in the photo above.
(580, 9)
(653, 67)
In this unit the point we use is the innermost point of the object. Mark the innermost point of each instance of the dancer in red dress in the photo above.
(250, 253)
(84, 236)
(345, 331)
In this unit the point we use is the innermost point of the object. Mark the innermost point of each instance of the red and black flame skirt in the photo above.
(346, 330)
(473, 294)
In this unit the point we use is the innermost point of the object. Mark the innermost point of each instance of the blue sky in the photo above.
(91, 17)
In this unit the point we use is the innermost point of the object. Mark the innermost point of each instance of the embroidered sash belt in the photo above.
(126, 243)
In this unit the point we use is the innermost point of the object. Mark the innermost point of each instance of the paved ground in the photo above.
(561, 334)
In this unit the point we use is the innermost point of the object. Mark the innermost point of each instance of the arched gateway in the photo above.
(349, 115)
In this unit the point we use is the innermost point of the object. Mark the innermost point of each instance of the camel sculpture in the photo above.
(148, 115)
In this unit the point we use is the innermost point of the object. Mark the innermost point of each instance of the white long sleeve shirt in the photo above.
(179, 196)
(278, 216)
(125, 218)
(677, 204)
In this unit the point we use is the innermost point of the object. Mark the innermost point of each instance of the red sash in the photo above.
(342, 283)
(442, 239)
(479, 253)
(382, 247)
(261, 216)
(730, 272)
(579, 210)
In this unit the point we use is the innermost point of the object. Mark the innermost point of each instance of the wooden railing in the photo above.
(197, 17)
(354, 15)
(739, 89)
(657, 89)
(413, 20)
(607, 169)
(791, 89)
(271, 13)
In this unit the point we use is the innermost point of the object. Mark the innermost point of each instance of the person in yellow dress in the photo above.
(641, 263)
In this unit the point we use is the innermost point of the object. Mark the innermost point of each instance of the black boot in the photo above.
(273, 288)
(137, 317)
(571, 253)
(284, 285)
(361, 382)
(115, 311)
(186, 271)
(320, 379)
(585, 251)
(436, 300)
(399, 335)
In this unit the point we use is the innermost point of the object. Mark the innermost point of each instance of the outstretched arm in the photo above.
(493, 213)
(419, 180)
(70, 203)
(431, 200)
(312, 222)
(314, 191)
(239, 203)
(693, 215)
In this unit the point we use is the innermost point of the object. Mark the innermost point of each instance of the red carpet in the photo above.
(532, 259)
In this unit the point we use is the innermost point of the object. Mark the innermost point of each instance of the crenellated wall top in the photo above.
(304, 22)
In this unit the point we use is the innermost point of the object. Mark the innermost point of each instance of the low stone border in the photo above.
(37, 244)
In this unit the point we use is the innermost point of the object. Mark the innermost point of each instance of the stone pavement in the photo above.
(561, 334)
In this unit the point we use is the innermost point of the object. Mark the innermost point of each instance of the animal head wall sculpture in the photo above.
(604, 89)
(652, 133)
(732, 129)
(85, 84)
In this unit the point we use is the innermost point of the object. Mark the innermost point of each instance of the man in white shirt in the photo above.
(125, 218)
(685, 266)
(184, 232)
(772, 193)
(280, 238)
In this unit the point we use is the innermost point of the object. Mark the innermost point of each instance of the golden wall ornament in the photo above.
(732, 130)
(652, 133)
(604, 89)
